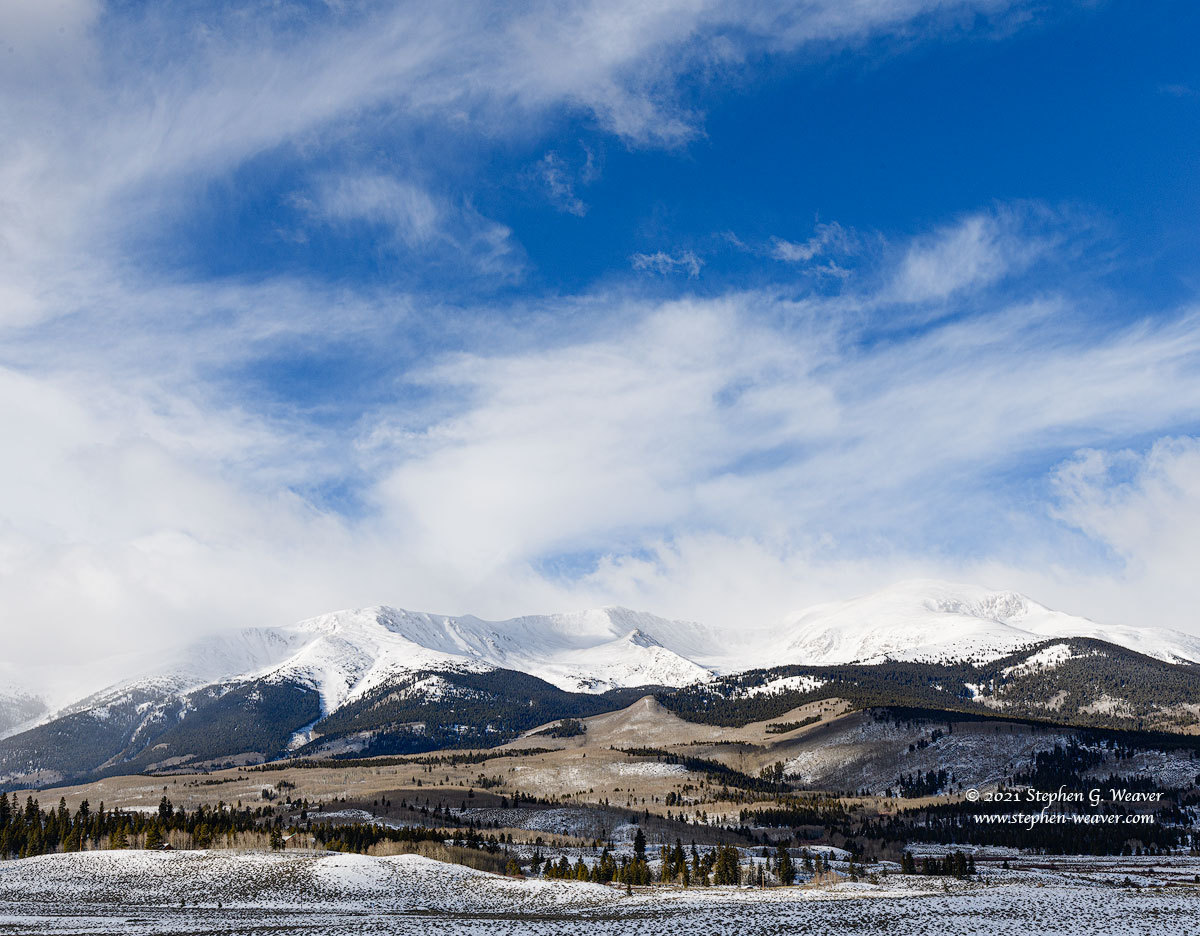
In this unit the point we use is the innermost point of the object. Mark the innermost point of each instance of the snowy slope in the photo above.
(223, 657)
(349, 653)
(18, 709)
(20, 705)
(346, 654)
(633, 659)
(288, 883)
(938, 621)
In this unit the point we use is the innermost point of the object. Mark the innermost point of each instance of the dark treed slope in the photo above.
(468, 710)
(141, 730)
(255, 721)
(1087, 683)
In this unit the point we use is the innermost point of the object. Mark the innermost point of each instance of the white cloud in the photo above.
(720, 465)
(714, 458)
(828, 237)
(406, 209)
(1145, 507)
(975, 252)
(44, 43)
(1179, 90)
(573, 448)
(661, 262)
(745, 452)
(708, 437)
(559, 180)
(417, 220)
(120, 110)
(1137, 512)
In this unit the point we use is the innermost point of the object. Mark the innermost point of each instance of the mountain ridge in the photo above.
(387, 679)
(922, 620)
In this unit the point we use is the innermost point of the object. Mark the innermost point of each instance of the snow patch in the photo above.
(1046, 658)
(783, 684)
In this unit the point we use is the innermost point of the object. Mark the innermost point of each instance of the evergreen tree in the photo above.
(726, 870)
(784, 868)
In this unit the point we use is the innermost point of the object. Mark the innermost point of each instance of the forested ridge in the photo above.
(469, 710)
(1100, 685)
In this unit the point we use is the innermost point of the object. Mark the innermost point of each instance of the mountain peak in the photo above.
(932, 620)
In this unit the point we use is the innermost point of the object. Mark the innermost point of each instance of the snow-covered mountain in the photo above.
(249, 694)
(350, 653)
(939, 622)
(386, 680)
(18, 708)
(347, 655)
(20, 705)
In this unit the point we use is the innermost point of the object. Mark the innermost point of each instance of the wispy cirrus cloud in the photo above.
(683, 261)
(982, 248)
(726, 458)
(828, 238)
(560, 181)
(116, 112)
(706, 434)
(415, 220)
(250, 448)
(407, 210)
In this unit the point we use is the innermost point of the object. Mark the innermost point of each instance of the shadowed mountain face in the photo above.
(384, 680)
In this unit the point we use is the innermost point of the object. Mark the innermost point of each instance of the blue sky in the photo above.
(714, 310)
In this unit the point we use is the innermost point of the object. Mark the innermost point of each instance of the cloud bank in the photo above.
(192, 448)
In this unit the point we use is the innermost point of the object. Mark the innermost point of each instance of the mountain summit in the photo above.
(934, 621)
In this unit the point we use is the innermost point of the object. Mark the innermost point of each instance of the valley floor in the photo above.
(280, 894)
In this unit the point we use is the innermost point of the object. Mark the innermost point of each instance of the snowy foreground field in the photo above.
(293, 893)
